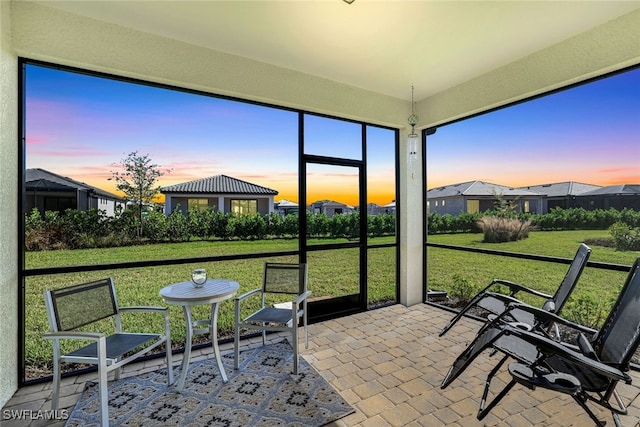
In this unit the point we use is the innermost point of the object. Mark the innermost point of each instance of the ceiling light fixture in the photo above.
(412, 140)
(348, 1)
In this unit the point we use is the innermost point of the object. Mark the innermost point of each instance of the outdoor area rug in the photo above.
(263, 392)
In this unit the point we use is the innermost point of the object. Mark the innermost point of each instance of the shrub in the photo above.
(462, 289)
(625, 237)
(500, 229)
(177, 227)
(587, 310)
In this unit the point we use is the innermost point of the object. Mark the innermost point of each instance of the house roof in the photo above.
(624, 189)
(38, 179)
(330, 203)
(284, 203)
(218, 184)
(477, 188)
(557, 189)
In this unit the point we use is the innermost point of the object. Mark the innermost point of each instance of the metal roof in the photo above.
(627, 189)
(557, 189)
(218, 184)
(40, 180)
(478, 188)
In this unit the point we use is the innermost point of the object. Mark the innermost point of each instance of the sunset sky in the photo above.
(589, 133)
(82, 126)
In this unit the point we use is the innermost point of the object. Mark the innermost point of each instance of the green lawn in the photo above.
(331, 273)
(592, 298)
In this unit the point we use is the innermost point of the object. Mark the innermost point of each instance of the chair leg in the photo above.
(482, 412)
(55, 395)
(294, 344)
(169, 357)
(306, 334)
(581, 400)
(236, 337)
(104, 395)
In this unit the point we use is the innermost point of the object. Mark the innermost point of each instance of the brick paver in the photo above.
(388, 364)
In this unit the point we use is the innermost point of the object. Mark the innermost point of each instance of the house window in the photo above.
(243, 207)
(436, 203)
(473, 206)
(526, 206)
(197, 204)
(443, 202)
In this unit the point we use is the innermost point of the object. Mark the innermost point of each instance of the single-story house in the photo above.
(286, 207)
(614, 196)
(478, 196)
(48, 191)
(330, 208)
(220, 192)
(560, 194)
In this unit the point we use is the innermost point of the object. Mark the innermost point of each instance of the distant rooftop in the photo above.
(220, 184)
(44, 180)
(477, 188)
(557, 189)
(624, 189)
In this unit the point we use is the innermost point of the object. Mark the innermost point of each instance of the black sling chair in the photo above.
(588, 371)
(496, 303)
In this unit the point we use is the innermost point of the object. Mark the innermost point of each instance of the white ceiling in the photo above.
(381, 46)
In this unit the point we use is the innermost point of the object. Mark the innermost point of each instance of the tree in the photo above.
(137, 180)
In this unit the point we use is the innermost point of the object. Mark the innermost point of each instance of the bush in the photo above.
(588, 310)
(462, 289)
(625, 237)
(500, 229)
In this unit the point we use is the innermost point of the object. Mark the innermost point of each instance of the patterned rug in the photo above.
(263, 392)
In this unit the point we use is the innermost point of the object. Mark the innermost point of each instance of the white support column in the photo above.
(411, 224)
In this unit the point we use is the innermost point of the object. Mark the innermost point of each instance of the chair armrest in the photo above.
(545, 316)
(93, 336)
(247, 294)
(301, 297)
(516, 287)
(550, 347)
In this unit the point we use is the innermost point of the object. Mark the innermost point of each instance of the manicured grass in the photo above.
(592, 298)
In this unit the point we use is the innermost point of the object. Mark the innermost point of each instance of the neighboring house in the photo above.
(329, 208)
(48, 191)
(560, 194)
(615, 196)
(390, 207)
(286, 207)
(222, 193)
(376, 209)
(478, 196)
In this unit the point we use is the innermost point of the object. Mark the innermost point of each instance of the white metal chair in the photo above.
(77, 306)
(288, 279)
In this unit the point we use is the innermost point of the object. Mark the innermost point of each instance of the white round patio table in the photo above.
(186, 295)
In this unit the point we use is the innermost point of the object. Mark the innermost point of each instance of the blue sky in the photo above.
(81, 126)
